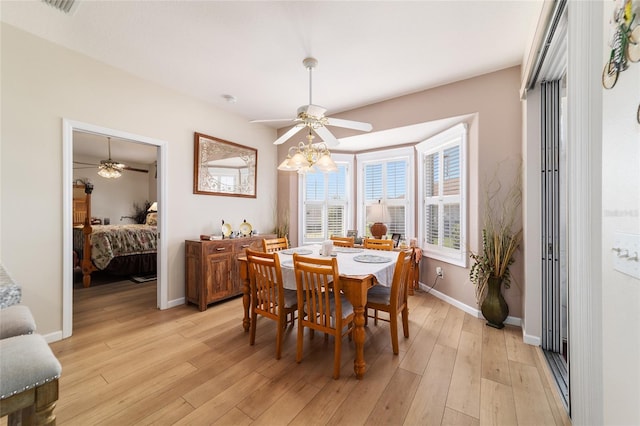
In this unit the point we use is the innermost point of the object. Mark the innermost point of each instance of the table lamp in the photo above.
(378, 214)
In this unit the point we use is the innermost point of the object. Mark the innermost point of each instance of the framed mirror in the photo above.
(224, 168)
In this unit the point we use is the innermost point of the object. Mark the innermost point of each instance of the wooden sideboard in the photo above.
(211, 268)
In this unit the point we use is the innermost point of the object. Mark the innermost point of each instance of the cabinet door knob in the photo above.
(245, 245)
(220, 248)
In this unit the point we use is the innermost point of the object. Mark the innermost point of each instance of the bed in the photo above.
(117, 249)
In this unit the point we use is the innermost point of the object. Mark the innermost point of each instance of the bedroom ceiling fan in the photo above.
(77, 165)
(312, 116)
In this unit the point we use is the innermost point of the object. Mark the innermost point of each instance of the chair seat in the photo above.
(379, 294)
(290, 298)
(347, 307)
(26, 362)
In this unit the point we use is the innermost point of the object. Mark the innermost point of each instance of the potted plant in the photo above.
(501, 238)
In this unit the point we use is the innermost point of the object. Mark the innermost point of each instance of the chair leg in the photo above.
(299, 341)
(252, 331)
(405, 321)
(366, 316)
(393, 328)
(282, 323)
(375, 317)
(336, 356)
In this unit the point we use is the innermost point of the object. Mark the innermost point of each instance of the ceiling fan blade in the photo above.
(288, 134)
(349, 124)
(273, 120)
(133, 169)
(85, 164)
(327, 137)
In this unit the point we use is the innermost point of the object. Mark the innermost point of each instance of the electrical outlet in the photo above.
(439, 272)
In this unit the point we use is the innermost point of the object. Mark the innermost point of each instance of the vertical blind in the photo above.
(550, 183)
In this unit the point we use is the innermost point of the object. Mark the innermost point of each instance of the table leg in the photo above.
(355, 288)
(359, 365)
(246, 292)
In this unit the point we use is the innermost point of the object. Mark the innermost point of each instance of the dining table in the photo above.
(359, 269)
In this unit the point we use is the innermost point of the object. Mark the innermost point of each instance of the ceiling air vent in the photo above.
(63, 5)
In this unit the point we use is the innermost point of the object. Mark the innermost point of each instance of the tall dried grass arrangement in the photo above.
(282, 224)
(500, 238)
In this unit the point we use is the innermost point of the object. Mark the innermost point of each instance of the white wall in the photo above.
(621, 213)
(43, 83)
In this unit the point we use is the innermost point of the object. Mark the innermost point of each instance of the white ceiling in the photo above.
(367, 51)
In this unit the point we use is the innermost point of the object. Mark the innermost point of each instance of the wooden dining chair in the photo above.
(275, 244)
(321, 304)
(393, 300)
(376, 244)
(342, 241)
(268, 296)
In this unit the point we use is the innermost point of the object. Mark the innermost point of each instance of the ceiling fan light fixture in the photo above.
(287, 165)
(299, 160)
(308, 158)
(108, 168)
(326, 164)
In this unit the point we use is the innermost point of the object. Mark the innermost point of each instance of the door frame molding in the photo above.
(68, 126)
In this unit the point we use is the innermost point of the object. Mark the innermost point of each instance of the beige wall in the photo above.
(43, 83)
(495, 138)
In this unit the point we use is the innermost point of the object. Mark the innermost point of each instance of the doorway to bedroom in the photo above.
(124, 212)
(123, 209)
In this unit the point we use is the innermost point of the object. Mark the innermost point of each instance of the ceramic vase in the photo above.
(494, 308)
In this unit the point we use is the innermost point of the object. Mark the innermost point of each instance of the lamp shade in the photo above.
(326, 164)
(286, 165)
(378, 213)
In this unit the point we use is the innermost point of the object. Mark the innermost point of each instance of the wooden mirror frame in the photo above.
(230, 156)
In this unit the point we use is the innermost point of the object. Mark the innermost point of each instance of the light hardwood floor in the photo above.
(128, 363)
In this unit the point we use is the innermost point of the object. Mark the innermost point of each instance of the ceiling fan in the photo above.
(312, 116)
(77, 165)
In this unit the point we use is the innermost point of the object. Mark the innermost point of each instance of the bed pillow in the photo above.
(152, 219)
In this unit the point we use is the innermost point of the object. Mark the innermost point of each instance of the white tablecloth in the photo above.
(346, 265)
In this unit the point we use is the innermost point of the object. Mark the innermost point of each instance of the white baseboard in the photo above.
(175, 302)
(53, 337)
(531, 340)
(466, 308)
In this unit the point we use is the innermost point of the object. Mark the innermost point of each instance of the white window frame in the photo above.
(377, 157)
(456, 135)
(338, 159)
